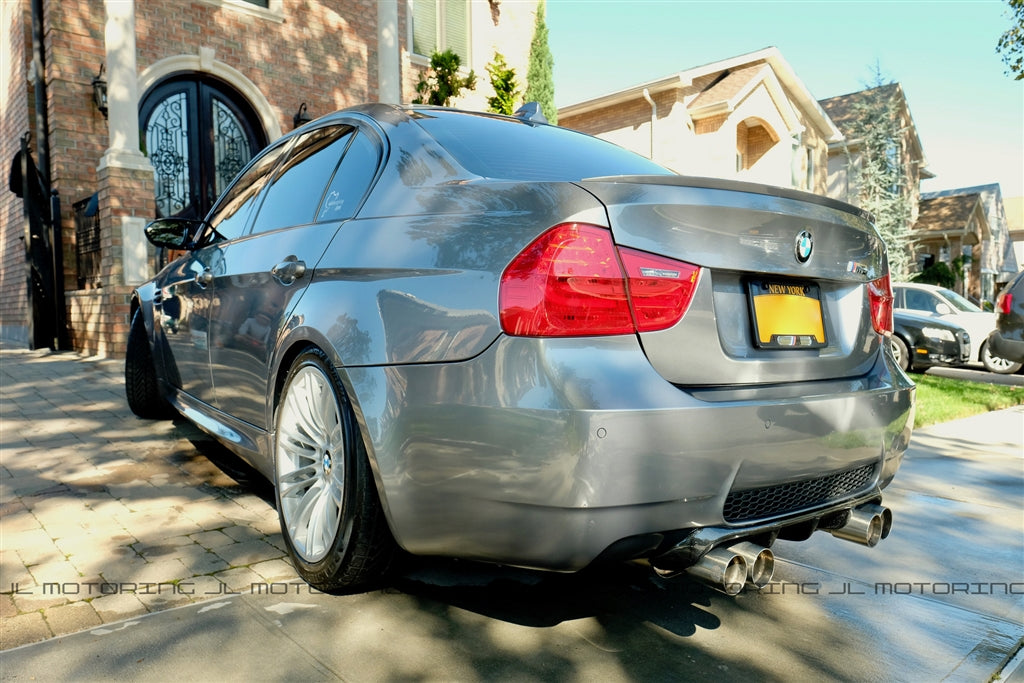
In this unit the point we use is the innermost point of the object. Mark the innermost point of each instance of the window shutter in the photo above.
(456, 28)
(424, 27)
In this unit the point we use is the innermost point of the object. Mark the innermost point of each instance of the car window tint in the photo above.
(294, 194)
(921, 301)
(231, 215)
(515, 150)
(352, 179)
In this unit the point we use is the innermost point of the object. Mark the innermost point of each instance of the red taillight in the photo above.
(569, 282)
(660, 289)
(880, 297)
(1004, 302)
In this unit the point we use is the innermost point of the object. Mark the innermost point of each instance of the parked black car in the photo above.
(921, 341)
(1007, 339)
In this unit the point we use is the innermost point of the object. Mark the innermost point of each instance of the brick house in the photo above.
(954, 224)
(100, 162)
(843, 153)
(748, 117)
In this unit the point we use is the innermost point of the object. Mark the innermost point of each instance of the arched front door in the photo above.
(198, 133)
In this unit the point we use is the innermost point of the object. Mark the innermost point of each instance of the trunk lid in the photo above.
(768, 257)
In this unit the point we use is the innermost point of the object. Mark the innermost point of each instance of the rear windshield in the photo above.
(519, 150)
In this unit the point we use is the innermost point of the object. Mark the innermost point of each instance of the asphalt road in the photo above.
(941, 599)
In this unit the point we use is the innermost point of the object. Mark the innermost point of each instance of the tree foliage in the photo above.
(1011, 43)
(937, 273)
(506, 89)
(540, 79)
(441, 83)
(880, 174)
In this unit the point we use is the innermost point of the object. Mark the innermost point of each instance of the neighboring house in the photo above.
(199, 86)
(953, 226)
(843, 153)
(749, 117)
(996, 263)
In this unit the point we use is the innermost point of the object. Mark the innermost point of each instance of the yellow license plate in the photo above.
(787, 315)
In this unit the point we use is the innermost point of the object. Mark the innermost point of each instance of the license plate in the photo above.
(787, 315)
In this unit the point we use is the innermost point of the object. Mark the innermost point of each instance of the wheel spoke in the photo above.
(310, 463)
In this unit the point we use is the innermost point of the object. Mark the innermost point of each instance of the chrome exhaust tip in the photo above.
(722, 569)
(760, 563)
(868, 524)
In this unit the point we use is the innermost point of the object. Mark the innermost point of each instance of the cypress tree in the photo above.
(540, 80)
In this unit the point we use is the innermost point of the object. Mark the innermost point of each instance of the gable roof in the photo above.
(949, 214)
(727, 80)
(845, 109)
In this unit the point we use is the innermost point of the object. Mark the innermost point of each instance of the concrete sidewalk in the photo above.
(104, 516)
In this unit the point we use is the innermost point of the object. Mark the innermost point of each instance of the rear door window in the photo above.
(298, 186)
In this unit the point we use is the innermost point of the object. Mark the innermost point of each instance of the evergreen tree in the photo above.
(880, 174)
(506, 89)
(540, 79)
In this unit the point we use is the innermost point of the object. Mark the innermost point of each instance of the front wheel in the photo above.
(331, 517)
(141, 387)
(996, 364)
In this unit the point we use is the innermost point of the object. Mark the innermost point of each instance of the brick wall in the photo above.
(14, 122)
(319, 52)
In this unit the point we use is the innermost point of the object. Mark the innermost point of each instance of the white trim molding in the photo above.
(205, 62)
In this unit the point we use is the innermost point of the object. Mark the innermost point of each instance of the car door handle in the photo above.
(289, 270)
(204, 279)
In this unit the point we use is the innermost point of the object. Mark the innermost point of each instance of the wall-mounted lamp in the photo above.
(301, 116)
(99, 92)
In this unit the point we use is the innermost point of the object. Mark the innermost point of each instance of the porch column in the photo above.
(388, 81)
(123, 157)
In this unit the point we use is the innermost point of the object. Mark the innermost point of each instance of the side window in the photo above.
(921, 301)
(232, 212)
(351, 181)
(298, 186)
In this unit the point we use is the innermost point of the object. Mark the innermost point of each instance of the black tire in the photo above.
(901, 353)
(141, 387)
(995, 364)
(331, 517)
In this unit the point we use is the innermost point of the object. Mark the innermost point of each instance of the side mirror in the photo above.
(943, 309)
(173, 233)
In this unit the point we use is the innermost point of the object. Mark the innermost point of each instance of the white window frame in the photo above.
(440, 37)
(274, 10)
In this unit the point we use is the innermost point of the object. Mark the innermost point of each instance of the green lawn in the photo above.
(940, 399)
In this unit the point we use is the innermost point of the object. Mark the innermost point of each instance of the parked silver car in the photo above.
(468, 335)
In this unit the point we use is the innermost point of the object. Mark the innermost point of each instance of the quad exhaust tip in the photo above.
(868, 524)
(732, 569)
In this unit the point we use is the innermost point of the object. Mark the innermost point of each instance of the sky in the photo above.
(969, 114)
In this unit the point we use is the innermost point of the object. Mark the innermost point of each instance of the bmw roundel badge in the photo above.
(804, 246)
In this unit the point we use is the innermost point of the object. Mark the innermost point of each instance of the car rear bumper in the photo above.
(1004, 347)
(544, 453)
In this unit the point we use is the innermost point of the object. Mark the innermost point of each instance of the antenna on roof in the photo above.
(531, 112)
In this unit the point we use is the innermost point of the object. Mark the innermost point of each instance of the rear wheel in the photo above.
(141, 387)
(996, 364)
(330, 514)
(900, 353)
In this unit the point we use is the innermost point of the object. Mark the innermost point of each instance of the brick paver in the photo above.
(104, 516)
